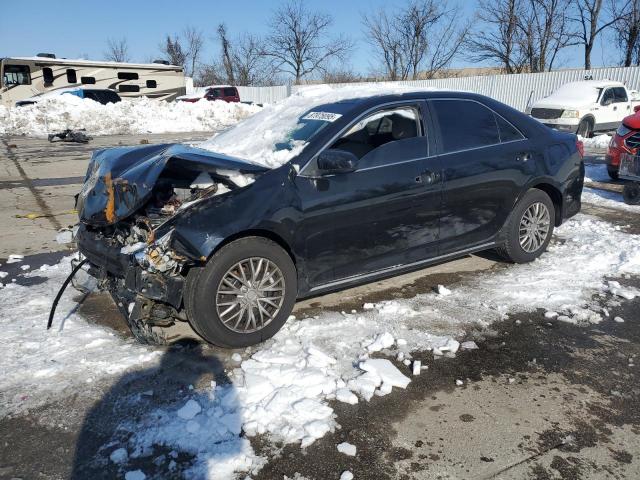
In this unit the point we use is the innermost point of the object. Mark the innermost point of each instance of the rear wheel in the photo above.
(631, 193)
(613, 173)
(585, 128)
(529, 228)
(243, 295)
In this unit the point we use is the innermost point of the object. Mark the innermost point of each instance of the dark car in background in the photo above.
(369, 186)
(226, 93)
(100, 95)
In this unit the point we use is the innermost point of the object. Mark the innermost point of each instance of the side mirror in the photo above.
(337, 161)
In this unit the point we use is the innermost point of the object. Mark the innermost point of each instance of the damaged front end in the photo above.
(127, 206)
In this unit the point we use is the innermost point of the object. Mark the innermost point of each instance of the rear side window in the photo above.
(128, 88)
(214, 92)
(508, 133)
(608, 97)
(152, 84)
(71, 75)
(464, 125)
(88, 80)
(128, 75)
(47, 75)
(230, 92)
(16, 75)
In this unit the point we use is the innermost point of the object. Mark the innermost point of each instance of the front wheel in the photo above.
(585, 128)
(243, 295)
(529, 228)
(631, 193)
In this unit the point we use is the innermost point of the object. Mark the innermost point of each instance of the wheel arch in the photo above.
(556, 197)
(591, 119)
(257, 232)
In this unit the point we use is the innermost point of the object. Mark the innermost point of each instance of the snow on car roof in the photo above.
(255, 138)
(82, 61)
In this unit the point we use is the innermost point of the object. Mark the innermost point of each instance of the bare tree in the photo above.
(422, 36)
(194, 42)
(117, 50)
(627, 27)
(591, 21)
(545, 29)
(497, 36)
(241, 62)
(299, 42)
(173, 51)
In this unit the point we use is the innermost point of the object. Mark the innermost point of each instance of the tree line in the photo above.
(418, 39)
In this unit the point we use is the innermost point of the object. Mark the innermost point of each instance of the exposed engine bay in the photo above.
(125, 206)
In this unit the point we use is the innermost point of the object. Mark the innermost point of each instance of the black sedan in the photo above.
(367, 187)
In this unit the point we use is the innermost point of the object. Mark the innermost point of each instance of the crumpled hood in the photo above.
(120, 180)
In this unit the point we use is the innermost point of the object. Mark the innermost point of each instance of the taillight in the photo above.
(580, 147)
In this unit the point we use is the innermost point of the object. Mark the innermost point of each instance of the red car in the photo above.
(625, 140)
(226, 93)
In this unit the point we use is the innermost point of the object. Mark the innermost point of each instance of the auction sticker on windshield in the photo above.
(326, 116)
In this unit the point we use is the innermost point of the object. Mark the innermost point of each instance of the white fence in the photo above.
(516, 90)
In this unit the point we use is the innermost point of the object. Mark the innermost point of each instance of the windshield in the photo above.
(281, 131)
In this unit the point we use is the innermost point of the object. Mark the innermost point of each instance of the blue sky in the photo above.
(74, 28)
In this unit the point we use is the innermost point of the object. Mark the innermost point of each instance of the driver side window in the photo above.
(607, 97)
(379, 128)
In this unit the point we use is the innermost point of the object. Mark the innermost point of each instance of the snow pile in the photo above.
(256, 138)
(130, 116)
(598, 142)
(38, 366)
(607, 199)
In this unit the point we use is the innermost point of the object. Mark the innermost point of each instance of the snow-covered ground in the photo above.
(283, 387)
(598, 142)
(131, 116)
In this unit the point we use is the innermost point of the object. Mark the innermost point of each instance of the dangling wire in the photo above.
(61, 291)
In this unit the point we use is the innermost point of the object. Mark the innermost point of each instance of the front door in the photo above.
(380, 216)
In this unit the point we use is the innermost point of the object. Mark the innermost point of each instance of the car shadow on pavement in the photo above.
(157, 421)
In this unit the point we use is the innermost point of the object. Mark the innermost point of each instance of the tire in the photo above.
(585, 128)
(613, 173)
(631, 193)
(514, 249)
(234, 320)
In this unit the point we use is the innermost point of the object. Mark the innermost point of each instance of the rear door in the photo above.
(381, 216)
(485, 163)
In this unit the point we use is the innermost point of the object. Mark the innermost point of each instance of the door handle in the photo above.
(428, 177)
(615, 108)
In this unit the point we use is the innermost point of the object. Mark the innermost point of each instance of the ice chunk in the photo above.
(193, 426)
(133, 248)
(236, 357)
(347, 449)
(64, 236)
(469, 345)
(347, 396)
(459, 382)
(444, 291)
(618, 320)
(119, 455)
(416, 367)
(451, 345)
(368, 306)
(135, 475)
(3, 274)
(15, 258)
(346, 475)
(384, 340)
(25, 267)
(189, 410)
(387, 372)
(551, 315)
(202, 182)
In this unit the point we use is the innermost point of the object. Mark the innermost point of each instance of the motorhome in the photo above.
(25, 77)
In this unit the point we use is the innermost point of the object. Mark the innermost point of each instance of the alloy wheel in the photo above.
(534, 227)
(250, 295)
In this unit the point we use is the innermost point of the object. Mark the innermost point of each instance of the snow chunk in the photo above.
(135, 475)
(459, 383)
(119, 455)
(386, 371)
(133, 248)
(469, 345)
(15, 258)
(189, 410)
(346, 475)
(442, 290)
(618, 320)
(347, 396)
(64, 237)
(382, 341)
(236, 357)
(417, 364)
(347, 449)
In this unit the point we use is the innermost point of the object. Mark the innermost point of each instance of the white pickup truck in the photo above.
(586, 107)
